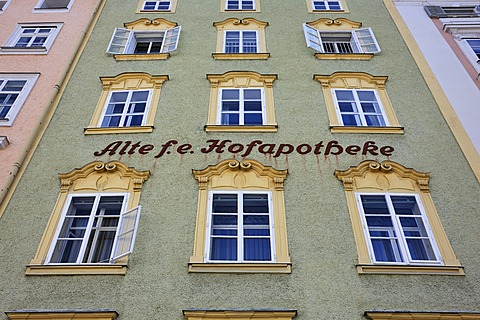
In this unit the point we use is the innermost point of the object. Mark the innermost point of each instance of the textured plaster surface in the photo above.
(51, 67)
(324, 283)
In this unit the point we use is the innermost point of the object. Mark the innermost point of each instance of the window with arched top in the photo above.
(93, 225)
(241, 225)
(396, 226)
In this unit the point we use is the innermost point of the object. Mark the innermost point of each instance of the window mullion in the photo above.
(359, 108)
(125, 112)
(240, 238)
(88, 229)
(241, 108)
(398, 229)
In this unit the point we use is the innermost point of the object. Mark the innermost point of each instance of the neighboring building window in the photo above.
(62, 5)
(395, 222)
(358, 102)
(84, 314)
(14, 89)
(3, 5)
(240, 227)
(420, 315)
(241, 39)
(128, 104)
(241, 101)
(340, 39)
(474, 44)
(95, 227)
(320, 6)
(144, 40)
(157, 6)
(271, 314)
(436, 12)
(467, 37)
(239, 203)
(31, 38)
(240, 5)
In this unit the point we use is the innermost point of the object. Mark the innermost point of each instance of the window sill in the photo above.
(346, 56)
(147, 56)
(24, 50)
(50, 10)
(361, 129)
(3, 142)
(404, 269)
(56, 270)
(240, 267)
(328, 11)
(220, 128)
(154, 11)
(142, 129)
(241, 56)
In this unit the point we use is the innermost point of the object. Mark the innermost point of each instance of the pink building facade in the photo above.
(39, 40)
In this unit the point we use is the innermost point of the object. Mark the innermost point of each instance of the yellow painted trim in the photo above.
(406, 315)
(142, 129)
(241, 24)
(240, 56)
(341, 56)
(127, 81)
(145, 24)
(356, 80)
(439, 95)
(434, 270)
(142, 57)
(240, 267)
(245, 175)
(223, 6)
(241, 79)
(388, 176)
(74, 315)
(220, 128)
(239, 314)
(338, 24)
(140, 6)
(343, 129)
(95, 177)
(49, 270)
(311, 10)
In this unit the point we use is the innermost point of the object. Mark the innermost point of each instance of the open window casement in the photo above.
(124, 40)
(127, 231)
(362, 40)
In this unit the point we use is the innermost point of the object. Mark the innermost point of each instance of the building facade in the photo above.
(39, 40)
(249, 159)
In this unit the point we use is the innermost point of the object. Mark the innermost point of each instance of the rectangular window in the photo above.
(31, 38)
(3, 5)
(14, 90)
(241, 42)
(452, 12)
(240, 227)
(343, 42)
(326, 5)
(397, 229)
(54, 4)
(126, 41)
(241, 107)
(126, 109)
(94, 229)
(359, 108)
(240, 5)
(474, 44)
(159, 5)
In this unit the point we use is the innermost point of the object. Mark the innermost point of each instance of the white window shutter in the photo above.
(127, 230)
(313, 38)
(120, 39)
(366, 40)
(170, 40)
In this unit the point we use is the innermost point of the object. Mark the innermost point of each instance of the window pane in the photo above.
(66, 251)
(224, 249)
(252, 119)
(375, 121)
(224, 220)
(224, 203)
(351, 120)
(421, 249)
(230, 106)
(344, 95)
(386, 250)
(252, 106)
(252, 94)
(258, 220)
(255, 203)
(230, 119)
(347, 106)
(14, 85)
(405, 205)
(257, 249)
(230, 94)
(374, 204)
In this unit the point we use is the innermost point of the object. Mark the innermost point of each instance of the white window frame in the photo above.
(313, 38)
(128, 40)
(241, 111)
(156, 5)
(240, 6)
(4, 6)
(327, 6)
(240, 237)
(15, 109)
(257, 43)
(38, 7)
(9, 46)
(125, 109)
(114, 255)
(359, 108)
(399, 231)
